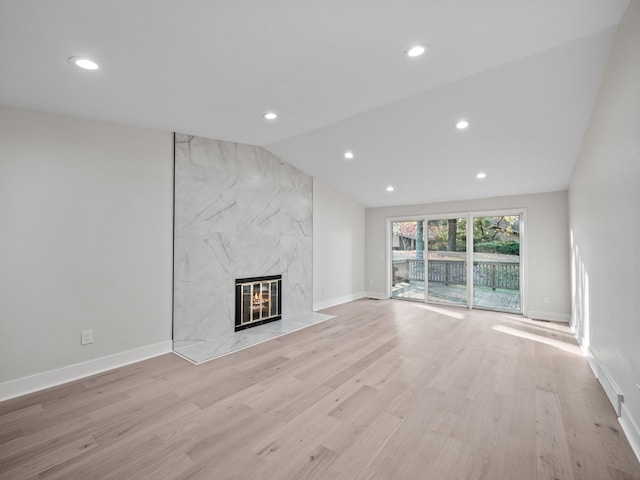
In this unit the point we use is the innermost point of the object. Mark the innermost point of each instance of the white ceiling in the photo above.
(525, 73)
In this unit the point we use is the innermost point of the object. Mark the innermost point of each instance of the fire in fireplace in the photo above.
(258, 301)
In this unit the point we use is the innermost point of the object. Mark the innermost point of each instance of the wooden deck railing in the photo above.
(454, 272)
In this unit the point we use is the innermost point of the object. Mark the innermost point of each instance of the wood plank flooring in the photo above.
(387, 390)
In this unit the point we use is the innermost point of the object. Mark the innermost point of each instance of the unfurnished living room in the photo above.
(319, 240)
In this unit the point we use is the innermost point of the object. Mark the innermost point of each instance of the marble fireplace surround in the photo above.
(240, 212)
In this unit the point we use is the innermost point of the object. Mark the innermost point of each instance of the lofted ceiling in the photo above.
(525, 74)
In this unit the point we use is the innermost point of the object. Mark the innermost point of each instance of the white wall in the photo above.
(547, 250)
(86, 242)
(604, 198)
(338, 247)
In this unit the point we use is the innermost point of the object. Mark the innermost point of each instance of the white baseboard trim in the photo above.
(611, 389)
(551, 316)
(338, 301)
(586, 351)
(631, 430)
(629, 426)
(377, 295)
(52, 378)
(591, 360)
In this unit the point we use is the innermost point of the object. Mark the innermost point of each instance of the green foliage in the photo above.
(498, 234)
(510, 247)
(489, 229)
(405, 229)
(438, 235)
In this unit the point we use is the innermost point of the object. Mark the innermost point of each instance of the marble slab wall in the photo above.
(240, 212)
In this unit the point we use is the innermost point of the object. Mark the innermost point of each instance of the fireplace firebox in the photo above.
(258, 301)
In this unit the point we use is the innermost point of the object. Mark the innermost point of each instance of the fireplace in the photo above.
(258, 301)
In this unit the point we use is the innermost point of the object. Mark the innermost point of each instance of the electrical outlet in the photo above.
(86, 337)
(547, 300)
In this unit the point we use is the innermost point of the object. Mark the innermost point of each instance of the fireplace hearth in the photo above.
(258, 301)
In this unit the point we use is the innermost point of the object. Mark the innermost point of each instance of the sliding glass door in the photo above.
(466, 260)
(407, 260)
(447, 261)
(496, 263)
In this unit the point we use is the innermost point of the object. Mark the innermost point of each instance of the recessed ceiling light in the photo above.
(270, 115)
(481, 175)
(389, 188)
(416, 51)
(462, 124)
(84, 62)
(348, 155)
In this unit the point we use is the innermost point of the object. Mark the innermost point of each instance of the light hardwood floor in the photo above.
(387, 390)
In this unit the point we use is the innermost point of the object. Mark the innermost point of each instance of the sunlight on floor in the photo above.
(561, 328)
(560, 345)
(441, 311)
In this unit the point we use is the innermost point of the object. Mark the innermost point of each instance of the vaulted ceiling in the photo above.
(525, 74)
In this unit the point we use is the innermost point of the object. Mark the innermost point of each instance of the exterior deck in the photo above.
(496, 285)
(499, 299)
